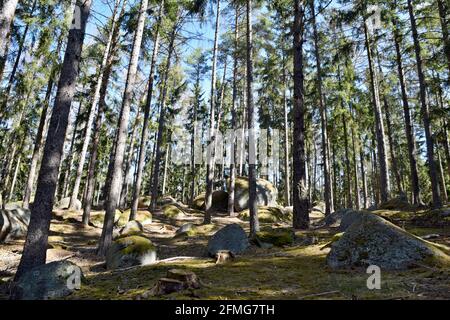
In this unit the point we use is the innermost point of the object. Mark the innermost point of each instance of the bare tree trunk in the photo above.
(414, 176)
(166, 164)
(7, 13)
(116, 172)
(300, 188)
(444, 11)
(232, 182)
(92, 112)
(148, 104)
(323, 118)
(90, 180)
(39, 139)
(35, 248)
(425, 112)
(211, 139)
(161, 122)
(442, 178)
(363, 176)
(380, 135)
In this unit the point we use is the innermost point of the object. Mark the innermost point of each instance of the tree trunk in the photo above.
(35, 248)
(92, 112)
(231, 188)
(254, 222)
(300, 188)
(121, 136)
(443, 17)
(148, 104)
(409, 131)
(90, 180)
(442, 178)
(425, 112)
(161, 122)
(323, 118)
(210, 157)
(363, 176)
(7, 13)
(380, 135)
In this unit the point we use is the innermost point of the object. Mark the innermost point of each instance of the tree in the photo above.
(35, 248)
(7, 13)
(300, 198)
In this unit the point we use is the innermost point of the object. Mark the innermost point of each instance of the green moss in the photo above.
(269, 215)
(277, 236)
(172, 212)
(135, 245)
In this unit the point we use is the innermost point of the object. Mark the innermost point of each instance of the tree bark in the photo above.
(436, 202)
(7, 13)
(300, 188)
(145, 131)
(443, 9)
(210, 158)
(116, 168)
(35, 248)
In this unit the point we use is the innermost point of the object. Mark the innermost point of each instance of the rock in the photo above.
(142, 216)
(64, 204)
(277, 236)
(166, 200)
(223, 256)
(371, 240)
(266, 194)
(132, 228)
(219, 201)
(173, 212)
(436, 218)
(185, 228)
(14, 224)
(335, 219)
(130, 251)
(144, 202)
(399, 203)
(49, 281)
(189, 278)
(231, 237)
(269, 215)
(318, 210)
(176, 280)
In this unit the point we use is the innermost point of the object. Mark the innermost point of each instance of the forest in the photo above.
(224, 149)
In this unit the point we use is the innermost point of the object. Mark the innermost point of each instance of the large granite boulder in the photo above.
(132, 228)
(275, 214)
(266, 194)
(219, 201)
(65, 202)
(335, 219)
(49, 281)
(14, 224)
(231, 237)
(130, 251)
(372, 240)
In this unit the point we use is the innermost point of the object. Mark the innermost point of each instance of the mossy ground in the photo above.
(297, 271)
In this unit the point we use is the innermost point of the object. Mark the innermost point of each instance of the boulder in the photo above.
(14, 224)
(64, 204)
(144, 202)
(173, 212)
(219, 201)
(130, 251)
(372, 240)
(398, 203)
(276, 236)
(165, 200)
(266, 194)
(269, 215)
(185, 228)
(49, 281)
(231, 237)
(142, 216)
(132, 228)
(334, 220)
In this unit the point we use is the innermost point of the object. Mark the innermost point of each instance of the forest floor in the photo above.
(293, 272)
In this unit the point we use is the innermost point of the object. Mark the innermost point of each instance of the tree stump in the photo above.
(223, 256)
(189, 278)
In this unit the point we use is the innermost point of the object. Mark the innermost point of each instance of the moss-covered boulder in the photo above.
(165, 200)
(144, 202)
(372, 240)
(49, 281)
(399, 203)
(341, 219)
(14, 224)
(172, 212)
(433, 218)
(130, 251)
(275, 214)
(276, 236)
(142, 216)
(231, 237)
(219, 201)
(266, 194)
(132, 228)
